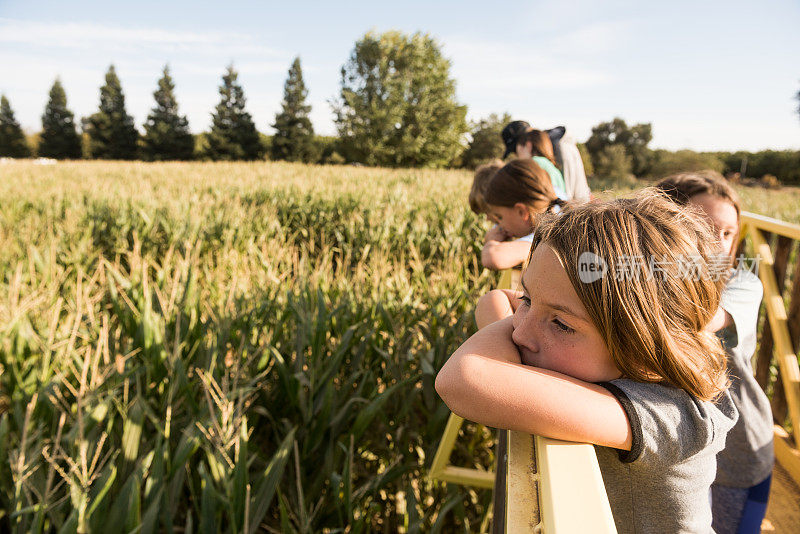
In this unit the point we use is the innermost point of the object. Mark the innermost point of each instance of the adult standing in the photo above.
(565, 150)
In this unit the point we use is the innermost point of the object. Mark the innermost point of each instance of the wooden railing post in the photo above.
(783, 329)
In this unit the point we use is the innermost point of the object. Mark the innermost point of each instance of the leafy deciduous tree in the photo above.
(12, 140)
(59, 138)
(486, 143)
(166, 133)
(294, 133)
(615, 164)
(634, 139)
(112, 134)
(233, 134)
(397, 105)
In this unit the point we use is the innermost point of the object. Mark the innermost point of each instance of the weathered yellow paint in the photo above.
(771, 225)
(782, 342)
(440, 468)
(573, 497)
(522, 486)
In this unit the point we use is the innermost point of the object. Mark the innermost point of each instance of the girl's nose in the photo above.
(525, 332)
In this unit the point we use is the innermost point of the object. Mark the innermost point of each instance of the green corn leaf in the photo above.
(105, 482)
(374, 408)
(208, 505)
(269, 482)
(440, 519)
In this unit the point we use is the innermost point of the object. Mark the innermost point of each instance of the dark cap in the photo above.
(511, 133)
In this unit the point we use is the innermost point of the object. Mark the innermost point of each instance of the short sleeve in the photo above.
(633, 418)
(667, 424)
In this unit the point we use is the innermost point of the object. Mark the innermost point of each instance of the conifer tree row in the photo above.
(112, 134)
(294, 134)
(233, 133)
(59, 139)
(12, 139)
(167, 135)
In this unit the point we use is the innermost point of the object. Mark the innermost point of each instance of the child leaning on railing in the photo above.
(601, 352)
(513, 197)
(744, 467)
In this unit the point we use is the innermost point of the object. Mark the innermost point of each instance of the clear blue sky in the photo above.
(708, 75)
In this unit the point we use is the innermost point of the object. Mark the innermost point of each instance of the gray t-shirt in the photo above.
(662, 484)
(748, 455)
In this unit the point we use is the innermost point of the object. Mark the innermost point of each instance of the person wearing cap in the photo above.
(565, 150)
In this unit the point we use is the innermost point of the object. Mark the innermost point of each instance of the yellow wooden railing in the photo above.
(553, 486)
(781, 332)
(441, 468)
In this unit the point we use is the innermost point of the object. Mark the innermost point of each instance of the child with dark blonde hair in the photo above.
(480, 182)
(744, 467)
(606, 348)
(516, 196)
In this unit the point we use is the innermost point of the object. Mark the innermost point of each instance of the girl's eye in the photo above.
(525, 300)
(561, 326)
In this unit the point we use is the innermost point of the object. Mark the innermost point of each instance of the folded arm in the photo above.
(499, 255)
(485, 382)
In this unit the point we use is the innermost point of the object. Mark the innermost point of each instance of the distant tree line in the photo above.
(396, 107)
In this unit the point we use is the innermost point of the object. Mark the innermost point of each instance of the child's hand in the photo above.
(496, 233)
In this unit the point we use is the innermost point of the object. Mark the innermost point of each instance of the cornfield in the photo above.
(235, 347)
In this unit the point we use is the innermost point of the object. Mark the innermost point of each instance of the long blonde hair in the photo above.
(651, 318)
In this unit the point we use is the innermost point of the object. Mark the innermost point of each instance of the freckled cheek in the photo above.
(564, 357)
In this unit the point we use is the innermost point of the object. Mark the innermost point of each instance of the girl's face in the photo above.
(551, 326)
(722, 215)
(515, 221)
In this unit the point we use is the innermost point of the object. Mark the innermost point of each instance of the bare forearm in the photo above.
(484, 381)
(504, 254)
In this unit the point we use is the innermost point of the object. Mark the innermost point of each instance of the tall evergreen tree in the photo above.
(112, 134)
(166, 134)
(59, 137)
(233, 134)
(294, 134)
(12, 140)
